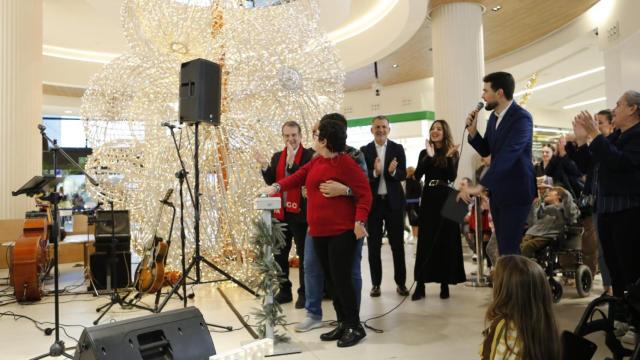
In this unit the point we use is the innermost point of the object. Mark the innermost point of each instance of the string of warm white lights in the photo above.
(277, 66)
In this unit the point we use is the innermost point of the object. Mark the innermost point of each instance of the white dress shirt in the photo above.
(501, 115)
(381, 150)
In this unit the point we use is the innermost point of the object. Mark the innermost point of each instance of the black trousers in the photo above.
(393, 220)
(336, 255)
(295, 231)
(620, 238)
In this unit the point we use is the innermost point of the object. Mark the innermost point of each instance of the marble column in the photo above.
(20, 101)
(458, 67)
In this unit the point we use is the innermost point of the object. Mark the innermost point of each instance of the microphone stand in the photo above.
(57, 348)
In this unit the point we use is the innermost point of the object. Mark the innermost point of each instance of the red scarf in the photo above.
(293, 195)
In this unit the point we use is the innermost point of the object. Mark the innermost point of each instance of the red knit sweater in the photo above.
(335, 215)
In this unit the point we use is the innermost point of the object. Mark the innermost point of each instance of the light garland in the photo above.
(277, 66)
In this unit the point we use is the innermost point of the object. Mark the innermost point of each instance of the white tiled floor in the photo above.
(431, 329)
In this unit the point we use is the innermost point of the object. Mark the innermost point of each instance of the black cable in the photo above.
(39, 324)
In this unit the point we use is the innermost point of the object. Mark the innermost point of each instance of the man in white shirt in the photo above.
(386, 164)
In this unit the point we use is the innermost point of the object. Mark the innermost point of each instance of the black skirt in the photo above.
(439, 252)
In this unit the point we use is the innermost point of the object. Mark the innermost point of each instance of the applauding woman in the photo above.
(335, 223)
(439, 253)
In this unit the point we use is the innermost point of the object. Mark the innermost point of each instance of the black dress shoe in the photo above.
(418, 293)
(402, 290)
(352, 336)
(300, 302)
(334, 334)
(375, 291)
(444, 291)
(283, 297)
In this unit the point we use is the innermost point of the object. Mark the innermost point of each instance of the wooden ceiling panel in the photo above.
(518, 23)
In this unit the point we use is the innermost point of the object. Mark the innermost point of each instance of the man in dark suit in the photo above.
(293, 211)
(386, 164)
(510, 179)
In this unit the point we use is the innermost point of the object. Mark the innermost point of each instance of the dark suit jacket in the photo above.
(619, 159)
(510, 178)
(269, 176)
(394, 182)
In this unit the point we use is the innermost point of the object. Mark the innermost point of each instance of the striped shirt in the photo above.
(505, 344)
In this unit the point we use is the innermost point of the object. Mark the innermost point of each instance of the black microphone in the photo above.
(479, 107)
(169, 125)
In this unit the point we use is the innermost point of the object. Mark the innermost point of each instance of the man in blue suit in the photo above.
(510, 178)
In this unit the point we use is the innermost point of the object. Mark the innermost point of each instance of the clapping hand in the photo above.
(590, 126)
(377, 166)
(393, 165)
(430, 149)
(560, 146)
(291, 156)
(453, 150)
(260, 159)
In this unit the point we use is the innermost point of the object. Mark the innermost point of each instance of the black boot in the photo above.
(418, 293)
(334, 334)
(444, 291)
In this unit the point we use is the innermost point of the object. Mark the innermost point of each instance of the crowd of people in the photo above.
(334, 196)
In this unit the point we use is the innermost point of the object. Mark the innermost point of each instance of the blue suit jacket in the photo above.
(510, 178)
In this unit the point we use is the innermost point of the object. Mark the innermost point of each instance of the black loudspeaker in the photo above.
(176, 334)
(104, 223)
(200, 91)
(103, 243)
(121, 277)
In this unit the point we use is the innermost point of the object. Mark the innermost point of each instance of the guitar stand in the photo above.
(116, 299)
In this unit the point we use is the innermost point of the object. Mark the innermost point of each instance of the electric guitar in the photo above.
(150, 271)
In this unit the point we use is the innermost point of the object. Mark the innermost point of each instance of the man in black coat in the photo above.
(386, 164)
(293, 211)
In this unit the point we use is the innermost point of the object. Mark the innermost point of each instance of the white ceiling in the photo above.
(94, 25)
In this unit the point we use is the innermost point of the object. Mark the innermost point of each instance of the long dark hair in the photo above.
(440, 157)
(522, 296)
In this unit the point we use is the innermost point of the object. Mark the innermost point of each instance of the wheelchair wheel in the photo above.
(556, 290)
(584, 280)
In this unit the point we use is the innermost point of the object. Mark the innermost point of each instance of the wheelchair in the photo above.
(568, 244)
(594, 319)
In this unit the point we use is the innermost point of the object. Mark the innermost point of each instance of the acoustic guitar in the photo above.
(150, 272)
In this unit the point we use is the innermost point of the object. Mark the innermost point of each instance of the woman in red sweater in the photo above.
(334, 222)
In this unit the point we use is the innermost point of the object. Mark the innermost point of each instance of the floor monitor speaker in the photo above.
(176, 334)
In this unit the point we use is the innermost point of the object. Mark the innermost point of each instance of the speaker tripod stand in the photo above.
(197, 259)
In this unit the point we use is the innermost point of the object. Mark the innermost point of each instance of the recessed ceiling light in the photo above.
(496, 8)
(582, 103)
(395, 66)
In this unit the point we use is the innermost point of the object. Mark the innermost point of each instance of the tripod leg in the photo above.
(157, 301)
(109, 305)
(175, 287)
(100, 308)
(236, 281)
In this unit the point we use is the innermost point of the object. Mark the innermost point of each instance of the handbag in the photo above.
(454, 209)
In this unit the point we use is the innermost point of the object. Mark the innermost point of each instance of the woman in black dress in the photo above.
(439, 253)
